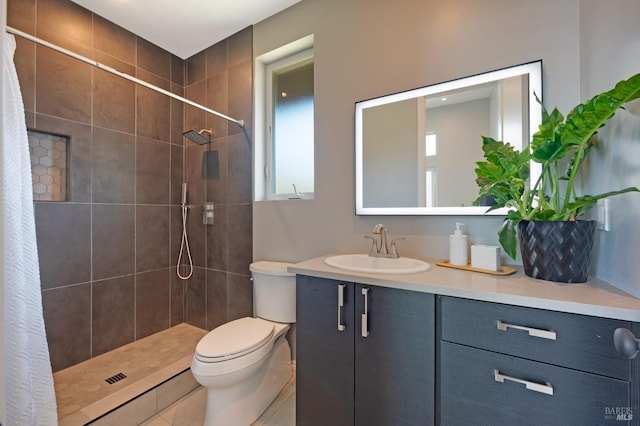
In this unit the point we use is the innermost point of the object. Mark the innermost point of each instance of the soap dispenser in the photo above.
(458, 252)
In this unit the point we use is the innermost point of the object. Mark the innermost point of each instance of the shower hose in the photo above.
(184, 246)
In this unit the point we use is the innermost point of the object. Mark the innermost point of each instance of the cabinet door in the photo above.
(324, 354)
(394, 378)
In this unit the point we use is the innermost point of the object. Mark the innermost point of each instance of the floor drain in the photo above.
(111, 380)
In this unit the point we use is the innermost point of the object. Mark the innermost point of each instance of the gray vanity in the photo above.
(454, 347)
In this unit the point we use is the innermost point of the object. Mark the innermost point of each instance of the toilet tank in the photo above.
(274, 290)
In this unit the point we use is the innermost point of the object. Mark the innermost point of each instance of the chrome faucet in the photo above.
(381, 249)
(380, 229)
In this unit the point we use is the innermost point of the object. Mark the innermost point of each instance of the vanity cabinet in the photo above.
(365, 354)
(503, 365)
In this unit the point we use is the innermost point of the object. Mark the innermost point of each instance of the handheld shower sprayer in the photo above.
(198, 137)
(184, 243)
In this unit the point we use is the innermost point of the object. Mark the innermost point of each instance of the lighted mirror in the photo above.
(416, 150)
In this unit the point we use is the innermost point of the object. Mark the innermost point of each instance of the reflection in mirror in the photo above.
(416, 150)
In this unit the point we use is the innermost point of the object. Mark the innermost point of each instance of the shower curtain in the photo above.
(28, 379)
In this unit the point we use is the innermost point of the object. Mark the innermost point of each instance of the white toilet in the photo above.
(245, 363)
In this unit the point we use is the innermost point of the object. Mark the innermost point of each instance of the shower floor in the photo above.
(83, 394)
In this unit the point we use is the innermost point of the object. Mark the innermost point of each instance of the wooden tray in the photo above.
(504, 270)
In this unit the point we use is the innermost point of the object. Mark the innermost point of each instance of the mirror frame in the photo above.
(533, 69)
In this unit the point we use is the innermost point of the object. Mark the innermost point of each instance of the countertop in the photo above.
(595, 297)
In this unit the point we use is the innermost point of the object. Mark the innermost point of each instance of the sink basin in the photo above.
(377, 265)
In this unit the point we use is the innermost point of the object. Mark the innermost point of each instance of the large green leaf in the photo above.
(585, 119)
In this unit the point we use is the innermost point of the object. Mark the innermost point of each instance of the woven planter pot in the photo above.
(557, 251)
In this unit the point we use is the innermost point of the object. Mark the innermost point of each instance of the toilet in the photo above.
(245, 363)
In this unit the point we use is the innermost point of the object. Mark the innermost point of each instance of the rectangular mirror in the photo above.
(416, 150)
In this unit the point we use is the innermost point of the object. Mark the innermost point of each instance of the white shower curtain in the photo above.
(28, 379)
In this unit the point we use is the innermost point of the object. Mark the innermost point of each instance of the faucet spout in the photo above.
(380, 229)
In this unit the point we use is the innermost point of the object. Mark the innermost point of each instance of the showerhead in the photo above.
(197, 137)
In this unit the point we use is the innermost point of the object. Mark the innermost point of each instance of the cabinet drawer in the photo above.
(569, 340)
(479, 387)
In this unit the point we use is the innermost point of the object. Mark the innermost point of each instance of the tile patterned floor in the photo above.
(189, 411)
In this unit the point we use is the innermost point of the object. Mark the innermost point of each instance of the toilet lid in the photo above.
(235, 338)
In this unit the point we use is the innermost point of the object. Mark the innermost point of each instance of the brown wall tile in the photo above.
(239, 297)
(152, 302)
(63, 232)
(114, 101)
(113, 171)
(63, 86)
(195, 118)
(113, 240)
(176, 174)
(25, 62)
(239, 189)
(65, 18)
(240, 243)
(153, 161)
(177, 116)
(114, 40)
(196, 290)
(153, 109)
(216, 299)
(152, 237)
(67, 317)
(177, 298)
(21, 15)
(240, 96)
(216, 166)
(217, 236)
(112, 314)
(240, 47)
(154, 59)
(177, 70)
(196, 232)
(217, 58)
(217, 99)
(196, 67)
(176, 236)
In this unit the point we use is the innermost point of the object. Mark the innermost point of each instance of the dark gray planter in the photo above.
(557, 251)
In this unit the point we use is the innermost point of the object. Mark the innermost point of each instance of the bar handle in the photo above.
(341, 326)
(546, 388)
(535, 332)
(365, 315)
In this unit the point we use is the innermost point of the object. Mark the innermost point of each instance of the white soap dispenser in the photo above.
(458, 252)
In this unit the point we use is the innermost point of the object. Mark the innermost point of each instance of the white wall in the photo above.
(367, 48)
(610, 52)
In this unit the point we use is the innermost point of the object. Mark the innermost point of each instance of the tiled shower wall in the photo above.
(220, 78)
(107, 253)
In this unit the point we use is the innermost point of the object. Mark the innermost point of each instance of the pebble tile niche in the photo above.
(48, 166)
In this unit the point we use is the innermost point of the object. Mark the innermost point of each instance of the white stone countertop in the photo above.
(595, 297)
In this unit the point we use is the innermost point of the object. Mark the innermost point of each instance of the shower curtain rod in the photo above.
(120, 74)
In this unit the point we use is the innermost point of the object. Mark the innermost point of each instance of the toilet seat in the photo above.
(234, 339)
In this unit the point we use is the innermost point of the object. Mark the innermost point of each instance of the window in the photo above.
(284, 163)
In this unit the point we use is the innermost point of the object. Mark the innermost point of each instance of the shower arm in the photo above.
(119, 74)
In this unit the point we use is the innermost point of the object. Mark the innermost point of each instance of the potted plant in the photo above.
(545, 214)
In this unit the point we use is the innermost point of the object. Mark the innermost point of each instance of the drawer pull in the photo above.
(536, 387)
(626, 343)
(536, 332)
(341, 326)
(365, 316)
